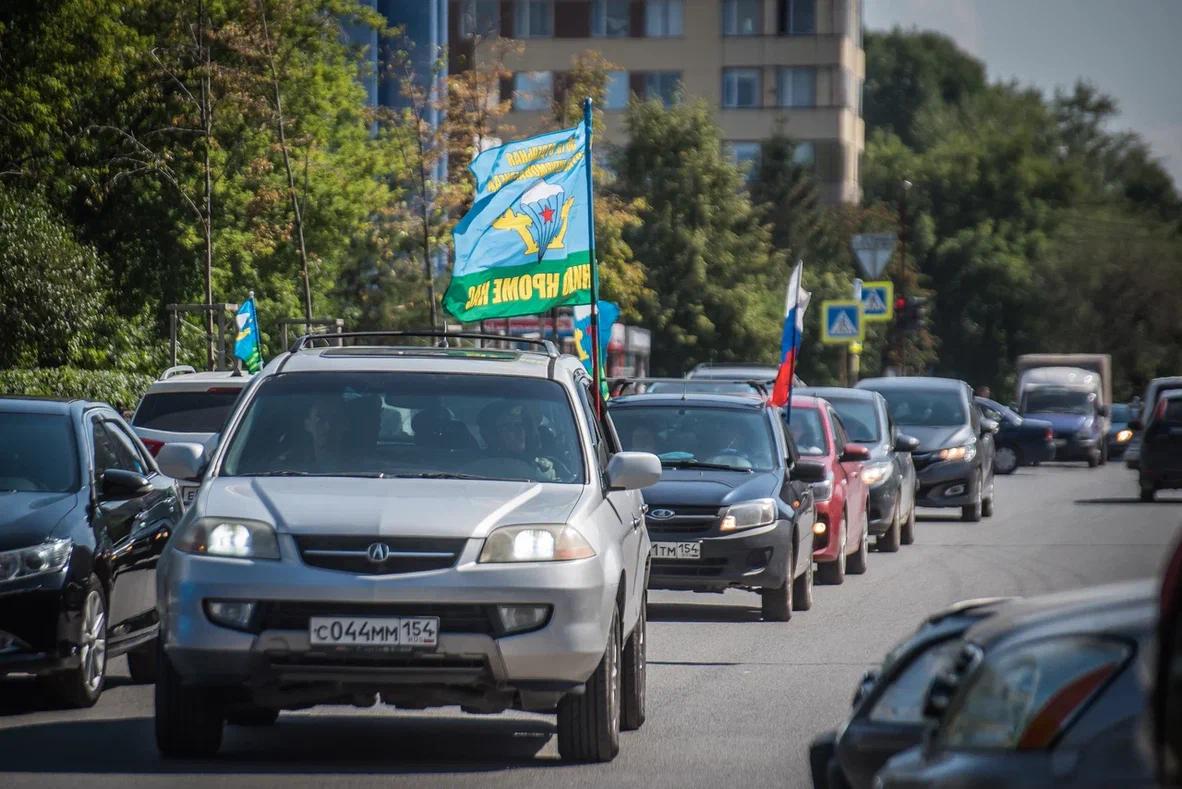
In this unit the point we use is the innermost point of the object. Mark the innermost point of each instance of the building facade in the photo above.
(758, 62)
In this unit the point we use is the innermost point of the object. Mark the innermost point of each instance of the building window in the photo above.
(798, 87)
(744, 155)
(480, 18)
(804, 154)
(615, 94)
(800, 17)
(610, 18)
(532, 90)
(664, 86)
(741, 17)
(740, 87)
(534, 19)
(663, 18)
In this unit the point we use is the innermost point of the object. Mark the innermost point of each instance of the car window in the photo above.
(840, 437)
(991, 413)
(926, 407)
(186, 412)
(128, 447)
(408, 424)
(807, 431)
(738, 438)
(38, 453)
(594, 424)
(859, 418)
(112, 452)
(903, 699)
(1173, 411)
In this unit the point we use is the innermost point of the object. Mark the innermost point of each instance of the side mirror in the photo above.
(116, 484)
(182, 461)
(1136, 424)
(905, 443)
(852, 453)
(633, 470)
(1103, 410)
(807, 471)
(989, 426)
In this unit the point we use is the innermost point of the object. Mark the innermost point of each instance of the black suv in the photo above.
(726, 512)
(84, 516)
(954, 459)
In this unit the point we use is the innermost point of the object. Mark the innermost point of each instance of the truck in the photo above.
(1072, 391)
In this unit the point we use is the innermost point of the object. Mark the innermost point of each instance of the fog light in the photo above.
(955, 490)
(238, 614)
(819, 528)
(519, 618)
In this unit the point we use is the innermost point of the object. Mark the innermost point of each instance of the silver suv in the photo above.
(424, 526)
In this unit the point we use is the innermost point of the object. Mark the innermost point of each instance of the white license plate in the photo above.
(677, 550)
(368, 631)
(188, 493)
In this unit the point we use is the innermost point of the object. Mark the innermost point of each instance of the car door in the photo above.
(795, 493)
(985, 443)
(855, 489)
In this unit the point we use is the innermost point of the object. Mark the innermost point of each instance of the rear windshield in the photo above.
(37, 453)
(806, 428)
(860, 419)
(186, 412)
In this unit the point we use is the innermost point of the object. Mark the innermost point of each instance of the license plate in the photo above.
(188, 493)
(366, 631)
(677, 550)
(1060, 442)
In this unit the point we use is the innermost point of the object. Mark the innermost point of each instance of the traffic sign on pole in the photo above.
(841, 322)
(874, 251)
(878, 301)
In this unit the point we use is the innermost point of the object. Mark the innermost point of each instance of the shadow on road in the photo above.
(24, 695)
(702, 612)
(296, 744)
(1127, 500)
(931, 517)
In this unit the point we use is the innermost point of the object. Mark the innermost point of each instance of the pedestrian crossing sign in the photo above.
(878, 301)
(841, 322)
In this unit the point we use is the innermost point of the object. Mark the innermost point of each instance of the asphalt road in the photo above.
(733, 701)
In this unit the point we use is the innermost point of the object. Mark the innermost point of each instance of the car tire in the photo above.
(971, 513)
(802, 589)
(833, 573)
(81, 687)
(1103, 453)
(589, 724)
(889, 541)
(858, 562)
(1006, 460)
(142, 664)
(1093, 460)
(987, 507)
(776, 603)
(907, 536)
(635, 676)
(1148, 492)
(252, 716)
(189, 721)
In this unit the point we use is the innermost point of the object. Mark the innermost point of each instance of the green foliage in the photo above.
(120, 389)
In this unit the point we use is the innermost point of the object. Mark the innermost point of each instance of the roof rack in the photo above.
(307, 340)
(616, 386)
(180, 369)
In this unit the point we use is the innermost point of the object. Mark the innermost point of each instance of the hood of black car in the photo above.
(30, 517)
(709, 488)
(931, 438)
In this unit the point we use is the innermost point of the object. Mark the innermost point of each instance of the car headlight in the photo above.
(1025, 697)
(748, 515)
(1124, 436)
(232, 537)
(557, 543)
(48, 557)
(964, 452)
(874, 473)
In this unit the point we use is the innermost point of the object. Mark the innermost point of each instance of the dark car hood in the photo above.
(1062, 423)
(931, 438)
(28, 518)
(708, 488)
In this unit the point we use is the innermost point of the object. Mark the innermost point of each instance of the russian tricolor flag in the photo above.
(795, 304)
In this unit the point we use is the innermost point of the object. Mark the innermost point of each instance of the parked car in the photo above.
(1044, 693)
(955, 455)
(889, 473)
(1019, 441)
(185, 406)
(729, 511)
(887, 715)
(1153, 392)
(313, 567)
(1161, 447)
(834, 465)
(84, 515)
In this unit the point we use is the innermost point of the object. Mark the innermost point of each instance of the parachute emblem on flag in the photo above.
(542, 223)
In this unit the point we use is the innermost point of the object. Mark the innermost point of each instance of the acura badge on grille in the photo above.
(378, 552)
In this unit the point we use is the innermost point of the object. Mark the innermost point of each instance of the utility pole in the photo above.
(207, 219)
(902, 277)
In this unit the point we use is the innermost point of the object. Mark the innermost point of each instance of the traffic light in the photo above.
(911, 312)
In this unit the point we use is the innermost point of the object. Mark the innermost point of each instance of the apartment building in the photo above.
(756, 61)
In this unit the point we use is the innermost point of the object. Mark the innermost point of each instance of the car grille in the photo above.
(453, 617)
(684, 518)
(699, 568)
(351, 553)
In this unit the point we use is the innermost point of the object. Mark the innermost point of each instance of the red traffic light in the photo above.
(900, 303)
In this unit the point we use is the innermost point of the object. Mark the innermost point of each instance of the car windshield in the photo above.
(860, 418)
(925, 407)
(38, 453)
(1059, 401)
(408, 425)
(807, 431)
(689, 435)
(186, 412)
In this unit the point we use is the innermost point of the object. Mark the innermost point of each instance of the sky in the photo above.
(1130, 49)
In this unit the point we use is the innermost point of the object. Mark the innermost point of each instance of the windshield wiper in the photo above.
(456, 475)
(701, 464)
(364, 474)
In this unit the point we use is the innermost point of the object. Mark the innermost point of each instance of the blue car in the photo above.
(1020, 441)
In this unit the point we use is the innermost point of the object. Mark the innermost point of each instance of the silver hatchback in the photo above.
(422, 526)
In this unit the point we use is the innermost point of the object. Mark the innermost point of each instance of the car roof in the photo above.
(830, 392)
(25, 404)
(749, 370)
(1171, 394)
(911, 382)
(710, 399)
(806, 401)
(382, 358)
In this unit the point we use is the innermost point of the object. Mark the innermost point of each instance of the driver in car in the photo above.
(512, 439)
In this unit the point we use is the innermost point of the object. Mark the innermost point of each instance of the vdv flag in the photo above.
(609, 313)
(523, 248)
(247, 346)
(796, 302)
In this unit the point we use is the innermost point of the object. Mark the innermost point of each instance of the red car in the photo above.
(833, 464)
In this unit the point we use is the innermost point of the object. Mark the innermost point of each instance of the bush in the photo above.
(120, 389)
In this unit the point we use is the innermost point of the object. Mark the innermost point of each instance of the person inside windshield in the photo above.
(317, 447)
(510, 437)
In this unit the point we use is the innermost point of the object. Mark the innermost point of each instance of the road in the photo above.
(732, 700)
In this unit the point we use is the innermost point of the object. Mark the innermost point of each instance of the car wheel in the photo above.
(252, 716)
(776, 604)
(987, 507)
(971, 513)
(802, 590)
(589, 724)
(907, 537)
(635, 672)
(1103, 453)
(189, 721)
(833, 573)
(141, 663)
(82, 686)
(1093, 460)
(1006, 460)
(889, 542)
(858, 562)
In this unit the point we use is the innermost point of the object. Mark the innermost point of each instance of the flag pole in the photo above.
(595, 339)
(792, 380)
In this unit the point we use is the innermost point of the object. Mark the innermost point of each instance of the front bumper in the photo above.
(947, 484)
(753, 558)
(39, 626)
(884, 499)
(1074, 448)
(560, 655)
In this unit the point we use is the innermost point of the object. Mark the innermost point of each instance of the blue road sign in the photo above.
(841, 321)
(878, 301)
